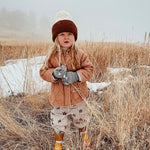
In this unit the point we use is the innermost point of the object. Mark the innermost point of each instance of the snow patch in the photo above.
(22, 76)
(118, 70)
(97, 86)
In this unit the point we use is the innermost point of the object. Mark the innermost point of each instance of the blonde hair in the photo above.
(56, 48)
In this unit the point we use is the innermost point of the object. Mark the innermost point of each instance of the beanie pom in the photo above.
(62, 15)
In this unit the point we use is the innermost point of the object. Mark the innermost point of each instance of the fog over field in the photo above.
(117, 20)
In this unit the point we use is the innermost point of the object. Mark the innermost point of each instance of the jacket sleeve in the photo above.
(87, 69)
(46, 72)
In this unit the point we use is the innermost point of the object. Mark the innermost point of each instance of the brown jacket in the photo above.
(67, 95)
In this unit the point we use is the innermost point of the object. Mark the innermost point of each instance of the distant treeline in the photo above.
(20, 21)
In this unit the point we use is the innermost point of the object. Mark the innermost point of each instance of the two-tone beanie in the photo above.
(63, 23)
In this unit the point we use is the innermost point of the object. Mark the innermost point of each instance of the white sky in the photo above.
(96, 19)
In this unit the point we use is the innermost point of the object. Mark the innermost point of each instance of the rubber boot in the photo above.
(58, 141)
(84, 137)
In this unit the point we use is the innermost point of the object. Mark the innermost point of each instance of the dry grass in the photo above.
(14, 49)
(120, 116)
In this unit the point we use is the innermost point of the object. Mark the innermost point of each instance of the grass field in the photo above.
(120, 115)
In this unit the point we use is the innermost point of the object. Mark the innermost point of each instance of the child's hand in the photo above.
(59, 72)
(69, 78)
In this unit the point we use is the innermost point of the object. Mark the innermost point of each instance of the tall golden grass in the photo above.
(120, 117)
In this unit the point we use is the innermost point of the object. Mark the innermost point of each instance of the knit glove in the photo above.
(59, 72)
(69, 78)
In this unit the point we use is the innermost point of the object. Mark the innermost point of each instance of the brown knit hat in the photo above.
(64, 23)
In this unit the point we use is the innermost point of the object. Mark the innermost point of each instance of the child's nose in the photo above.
(66, 36)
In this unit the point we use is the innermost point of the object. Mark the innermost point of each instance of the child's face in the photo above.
(65, 39)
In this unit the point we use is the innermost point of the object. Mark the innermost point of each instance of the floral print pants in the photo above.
(60, 121)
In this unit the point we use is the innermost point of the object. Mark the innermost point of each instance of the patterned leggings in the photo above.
(60, 121)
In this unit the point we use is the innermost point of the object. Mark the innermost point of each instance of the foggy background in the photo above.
(97, 20)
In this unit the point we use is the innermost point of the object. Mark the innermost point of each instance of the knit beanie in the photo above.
(63, 23)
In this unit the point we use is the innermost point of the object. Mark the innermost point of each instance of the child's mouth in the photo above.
(66, 42)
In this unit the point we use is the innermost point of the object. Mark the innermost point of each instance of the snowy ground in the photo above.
(22, 76)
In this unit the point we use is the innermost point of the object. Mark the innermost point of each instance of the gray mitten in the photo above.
(69, 78)
(59, 72)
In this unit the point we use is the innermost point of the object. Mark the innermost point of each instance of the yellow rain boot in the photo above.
(58, 141)
(84, 137)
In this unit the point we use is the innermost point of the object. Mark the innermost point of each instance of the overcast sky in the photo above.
(95, 19)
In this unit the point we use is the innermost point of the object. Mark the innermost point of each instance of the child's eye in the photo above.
(69, 33)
